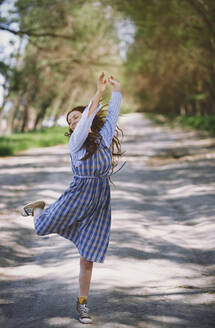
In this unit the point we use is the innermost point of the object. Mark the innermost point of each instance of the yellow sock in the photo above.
(82, 299)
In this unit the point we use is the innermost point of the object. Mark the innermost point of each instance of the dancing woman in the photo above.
(82, 213)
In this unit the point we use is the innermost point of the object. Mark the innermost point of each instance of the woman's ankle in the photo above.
(82, 299)
(37, 212)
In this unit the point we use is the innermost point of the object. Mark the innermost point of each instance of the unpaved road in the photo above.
(160, 265)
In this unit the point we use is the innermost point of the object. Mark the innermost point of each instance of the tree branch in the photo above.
(36, 34)
(197, 6)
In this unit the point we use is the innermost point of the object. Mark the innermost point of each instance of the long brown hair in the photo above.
(94, 138)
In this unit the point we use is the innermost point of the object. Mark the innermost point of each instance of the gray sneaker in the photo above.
(28, 209)
(83, 310)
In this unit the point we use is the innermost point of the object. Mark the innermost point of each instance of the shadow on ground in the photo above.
(161, 252)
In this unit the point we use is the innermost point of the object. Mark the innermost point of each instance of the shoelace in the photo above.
(29, 211)
(83, 310)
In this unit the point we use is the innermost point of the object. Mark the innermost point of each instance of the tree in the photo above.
(171, 62)
(62, 57)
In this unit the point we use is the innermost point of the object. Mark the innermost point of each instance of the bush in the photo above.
(198, 122)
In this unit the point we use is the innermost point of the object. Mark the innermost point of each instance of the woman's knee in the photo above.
(39, 231)
(87, 265)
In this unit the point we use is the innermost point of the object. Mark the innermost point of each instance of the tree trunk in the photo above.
(25, 119)
(39, 117)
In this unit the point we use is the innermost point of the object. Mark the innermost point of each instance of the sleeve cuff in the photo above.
(117, 94)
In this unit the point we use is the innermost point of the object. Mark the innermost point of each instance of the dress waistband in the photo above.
(98, 176)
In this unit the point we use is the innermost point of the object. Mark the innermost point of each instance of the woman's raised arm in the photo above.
(101, 85)
(81, 131)
(108, 129)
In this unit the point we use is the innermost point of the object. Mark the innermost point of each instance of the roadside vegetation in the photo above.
(197, 122)
(45, 137)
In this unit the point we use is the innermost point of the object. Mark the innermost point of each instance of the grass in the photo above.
(197, 122)
(45, 137)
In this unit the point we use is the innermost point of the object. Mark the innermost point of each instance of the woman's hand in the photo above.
(114, 83)
(101, 83)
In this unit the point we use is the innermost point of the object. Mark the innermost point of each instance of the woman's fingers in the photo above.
(101, 76)
(109, 79)
(102, 82)
(112, 81)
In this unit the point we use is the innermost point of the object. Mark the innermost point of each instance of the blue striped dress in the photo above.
(82, 213)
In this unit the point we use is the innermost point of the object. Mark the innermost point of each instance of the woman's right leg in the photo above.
(86, 268)
(85, 275)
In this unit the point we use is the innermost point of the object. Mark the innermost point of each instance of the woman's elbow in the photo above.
(74, 148)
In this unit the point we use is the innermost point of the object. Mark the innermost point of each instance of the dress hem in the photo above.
(80, 253)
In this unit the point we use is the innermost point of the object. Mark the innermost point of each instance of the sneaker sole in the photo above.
(85, 323)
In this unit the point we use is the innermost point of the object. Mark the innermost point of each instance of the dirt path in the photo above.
(160, 265)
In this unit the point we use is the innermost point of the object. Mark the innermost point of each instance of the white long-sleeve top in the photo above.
(78, 137)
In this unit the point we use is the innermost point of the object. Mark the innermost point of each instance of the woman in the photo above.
(82, 213)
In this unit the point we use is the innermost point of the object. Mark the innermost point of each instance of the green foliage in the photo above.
(20, 141)
(4, 68)
(69, 44)
(171, 64)
(196, 122)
